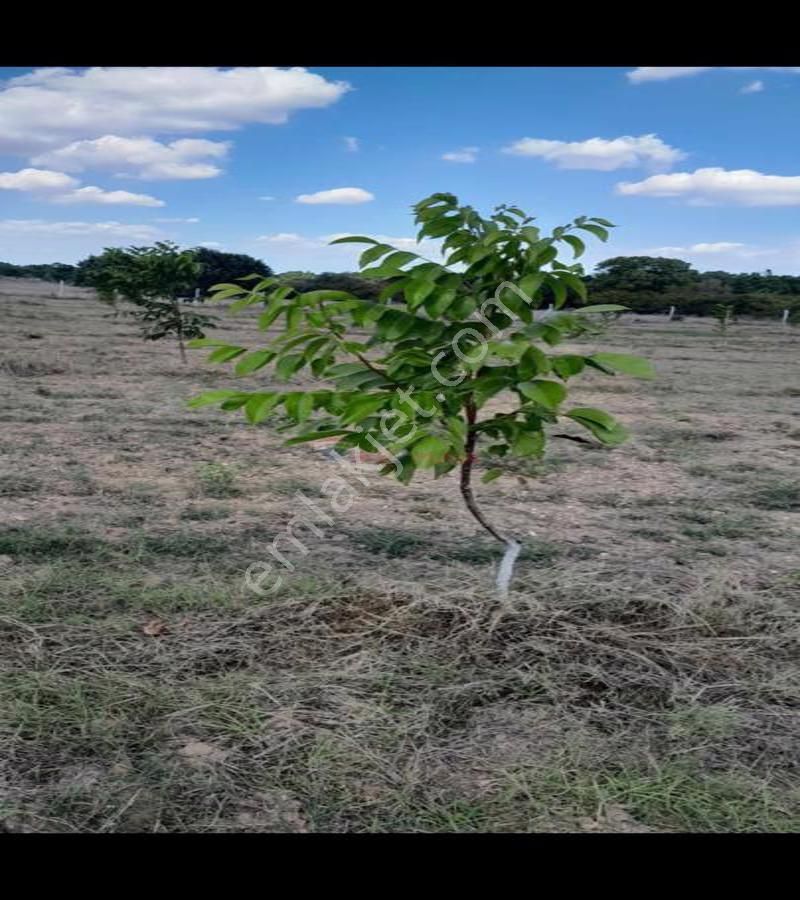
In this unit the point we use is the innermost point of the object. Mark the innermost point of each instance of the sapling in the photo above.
(723, 313)
(448, 368)
(153, 279)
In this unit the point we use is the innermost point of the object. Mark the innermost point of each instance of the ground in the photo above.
(641, 676)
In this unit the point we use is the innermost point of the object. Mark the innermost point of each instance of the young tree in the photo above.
(723, 313)
(153, 279)
(459, 338)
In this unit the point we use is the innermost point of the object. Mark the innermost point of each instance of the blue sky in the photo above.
(699, 164)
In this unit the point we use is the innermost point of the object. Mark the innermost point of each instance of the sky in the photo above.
(698, 163)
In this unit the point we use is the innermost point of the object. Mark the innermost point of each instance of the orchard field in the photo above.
(642, 675)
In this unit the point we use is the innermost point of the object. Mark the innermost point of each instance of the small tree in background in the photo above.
(418, 387)
(723, 313)
(153, 279)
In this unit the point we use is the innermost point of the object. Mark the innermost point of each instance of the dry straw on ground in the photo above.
(641, 677)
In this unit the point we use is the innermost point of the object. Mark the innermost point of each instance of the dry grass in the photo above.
(641, 677)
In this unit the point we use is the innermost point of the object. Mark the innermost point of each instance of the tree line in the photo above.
(645, 284)
(651, 284)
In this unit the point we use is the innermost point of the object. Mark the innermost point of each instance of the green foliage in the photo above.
(152, 279)
(457, 334)
(217, 266)
(723, 313)
(45, 271)
(652, 284)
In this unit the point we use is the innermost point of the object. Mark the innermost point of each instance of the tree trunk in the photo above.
(513, 548)
(179, 327)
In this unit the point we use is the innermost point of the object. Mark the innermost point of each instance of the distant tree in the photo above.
(218, 267)
(214, 267)
(354, 283)
(153, 279)
(45, 271)
(642, 273)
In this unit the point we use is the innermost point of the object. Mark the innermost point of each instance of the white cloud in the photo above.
(212, 245)
(344, 196)
(93, 194)
(266, 198)
(600, 153)
(351, 144)
(290, 251)
(42, 241)
(60, 188)
(36, 180)
(704, 187)
(190, 221)
(464, 155)
(49, 107)
(753, 88)
(716, 247)
(666, 73)
(78, 229)
(286, 237)
(139, 157)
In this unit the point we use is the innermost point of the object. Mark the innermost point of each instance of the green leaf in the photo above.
(299, 405)
(457, 428)
(207, 342)
(576, 243)
(577, 284)
(417, 291)
(315, 436)
(530, 284)
(599, 416)
(438, 303)
(373, 253)
(533, 362)
(294, 318)
(398, 258)
(629, 365)
(428, 451)
(486, 386)
(253, 361)
(259, 406)
(210, 397)
(340, 370)
(596, 230)
(364, 406)
(611, 433)
(271, 313)
(603, 222)
(354, 239)
(567, 365)
(288, 365)
(528, 443)
(490, 475)
(559, 291)
(223, 354)
(546, 393)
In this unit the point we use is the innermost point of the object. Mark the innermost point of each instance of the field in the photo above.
(642, 675)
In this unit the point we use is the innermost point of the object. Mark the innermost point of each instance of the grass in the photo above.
(216, 480)
(641, 675)
(780, 495)
(19, 485)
